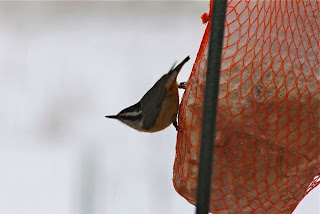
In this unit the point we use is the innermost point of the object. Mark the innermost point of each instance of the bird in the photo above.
(158, 108)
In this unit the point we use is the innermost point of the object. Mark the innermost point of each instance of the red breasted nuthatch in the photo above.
(158, 108)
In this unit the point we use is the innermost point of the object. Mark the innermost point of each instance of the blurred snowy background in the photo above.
(63, 67)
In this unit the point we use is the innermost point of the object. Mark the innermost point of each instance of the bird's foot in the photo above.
(178, 128)
(183, 85)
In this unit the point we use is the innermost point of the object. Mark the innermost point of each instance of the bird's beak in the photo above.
(112, 116)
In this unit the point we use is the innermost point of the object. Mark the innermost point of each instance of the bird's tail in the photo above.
(178, 67)
(174, 71)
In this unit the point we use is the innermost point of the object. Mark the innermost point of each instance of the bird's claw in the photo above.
(183, 85)
(178, 128)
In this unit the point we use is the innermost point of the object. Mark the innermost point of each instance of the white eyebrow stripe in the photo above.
(132, 114)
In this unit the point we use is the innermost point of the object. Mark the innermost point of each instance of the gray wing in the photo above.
(151, 103)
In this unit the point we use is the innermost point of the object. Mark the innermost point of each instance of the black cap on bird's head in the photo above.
(130, 116)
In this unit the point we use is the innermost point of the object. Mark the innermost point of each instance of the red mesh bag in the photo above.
(267, 155)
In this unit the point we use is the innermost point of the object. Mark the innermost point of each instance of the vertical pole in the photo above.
(210, 106)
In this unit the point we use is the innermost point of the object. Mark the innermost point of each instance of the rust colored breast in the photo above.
(169, 108)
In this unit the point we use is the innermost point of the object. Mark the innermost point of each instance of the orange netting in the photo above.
(267, 150)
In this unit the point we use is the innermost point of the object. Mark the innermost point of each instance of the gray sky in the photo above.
(63, 66)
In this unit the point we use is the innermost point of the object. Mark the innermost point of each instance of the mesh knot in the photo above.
(205, 18)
